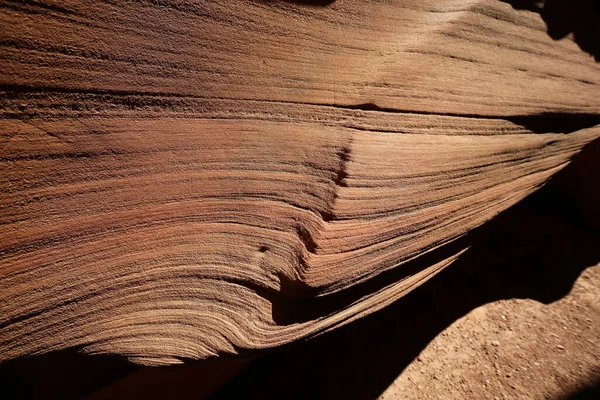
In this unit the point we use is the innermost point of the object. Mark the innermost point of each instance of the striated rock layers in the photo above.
(182, 179)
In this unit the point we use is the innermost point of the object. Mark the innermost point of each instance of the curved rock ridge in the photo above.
(187, 179)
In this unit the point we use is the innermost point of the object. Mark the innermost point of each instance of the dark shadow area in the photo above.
(291, 310)
(66, 374)
(547, 122)
(535, 250)
(562, 17)
(191, 380)
(556, 122)
(310, 3)
(589, 392)
(70, 374)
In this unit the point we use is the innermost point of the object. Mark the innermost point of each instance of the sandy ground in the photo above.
(512, 349)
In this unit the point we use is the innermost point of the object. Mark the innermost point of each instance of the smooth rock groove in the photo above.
(187, 179)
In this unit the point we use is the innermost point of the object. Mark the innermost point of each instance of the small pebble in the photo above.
(495, 343)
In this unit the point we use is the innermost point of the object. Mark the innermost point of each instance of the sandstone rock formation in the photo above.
(186, 179)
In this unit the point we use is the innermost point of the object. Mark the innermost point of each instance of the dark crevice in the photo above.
(563, 17)
(342, 173)
(307, 308)
(304, 3)
(376, 130)
(40, 5)
(556, 122)
(340, 178)
(17, 88)
(56, 156)
(547, 122)
(551, 122)
(326, 217)
(307, 238)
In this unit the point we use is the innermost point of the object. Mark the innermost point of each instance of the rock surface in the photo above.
(182, 180)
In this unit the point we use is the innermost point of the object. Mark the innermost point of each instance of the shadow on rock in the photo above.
(69, 374)
(310, 3)
(563, 17)
(535, 250)
(64, 374)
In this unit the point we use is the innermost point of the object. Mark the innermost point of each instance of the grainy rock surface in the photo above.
(182, 180)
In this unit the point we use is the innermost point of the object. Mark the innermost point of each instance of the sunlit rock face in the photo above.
(182, 180)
